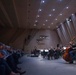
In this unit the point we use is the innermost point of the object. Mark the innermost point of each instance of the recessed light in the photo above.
(40, 10)
(56, 19)
(42, 1)
(56, 26)
(52, 23)
(67, 7)
(43, 37)
(38, 16)
(48, 26)
(34, 24)
(60, 14)
(53, 9)
(36, 21)
(61, 23)
(72, 14)
(43, 24)
(49, 14)
(66, 18)
(40, 37)
(70, 20)
(60, 0)
(46, 20)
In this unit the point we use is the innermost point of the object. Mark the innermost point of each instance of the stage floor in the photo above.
(40, 66)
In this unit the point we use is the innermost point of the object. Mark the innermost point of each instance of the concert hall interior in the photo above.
(38, 37)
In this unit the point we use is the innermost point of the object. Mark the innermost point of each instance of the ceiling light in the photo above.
(34, 24)
(67, 7)
(70, 20)
(43, 24)
(72, 14)
(56, 19)
(57, 26)
(48, 26)
(36, 21)
(46, 20)
(60, 0)
(49, 14)
(60, 14)
(66, 18)
(53, 9)
(38, 16)
(51, 23)
(40, 37)
(40, 10)
(61, 23)
(42, 1)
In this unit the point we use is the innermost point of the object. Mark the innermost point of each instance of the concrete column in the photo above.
(74, 20)
(61, 36)
(68, 28)
(71, 28)
(65, 33)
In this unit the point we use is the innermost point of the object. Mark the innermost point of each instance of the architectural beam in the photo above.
(16, 13)
(6, 14)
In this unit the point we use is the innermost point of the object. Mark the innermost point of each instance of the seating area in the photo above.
(9, 59)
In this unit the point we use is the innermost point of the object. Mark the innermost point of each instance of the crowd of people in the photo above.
(67, 55)
(9, 59)
(52, 53)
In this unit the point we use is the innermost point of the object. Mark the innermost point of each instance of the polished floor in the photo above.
(40, 66)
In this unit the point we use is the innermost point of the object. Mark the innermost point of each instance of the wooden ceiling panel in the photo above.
(23, 13)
